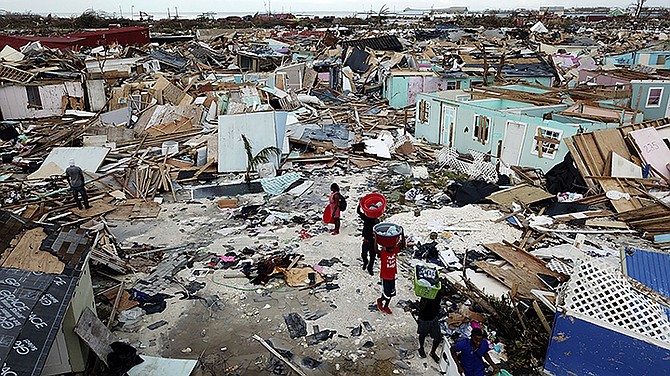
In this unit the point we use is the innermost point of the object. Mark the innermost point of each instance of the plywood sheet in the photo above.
(98, 207)
(88, 158)
(27, 255)
(521, 193)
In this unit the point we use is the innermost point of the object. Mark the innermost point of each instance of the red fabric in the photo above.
(388, 263)
(328, 214)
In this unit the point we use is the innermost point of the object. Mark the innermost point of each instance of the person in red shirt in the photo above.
(387, 256)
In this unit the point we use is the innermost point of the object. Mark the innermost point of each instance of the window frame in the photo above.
(660, 97)
(475, 133)
(424, 109)
(34, 98)
(546, 154)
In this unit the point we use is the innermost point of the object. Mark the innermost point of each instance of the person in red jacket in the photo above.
(387, 256)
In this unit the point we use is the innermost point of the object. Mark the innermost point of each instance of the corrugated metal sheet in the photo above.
(650, 268)
(383, 43)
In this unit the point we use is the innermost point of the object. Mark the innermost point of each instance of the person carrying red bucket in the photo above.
(370, 208)
(389, 239)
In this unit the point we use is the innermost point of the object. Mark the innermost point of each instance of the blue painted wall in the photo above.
(641, 94)
(648, 58)
(650, 268)
(578, 347)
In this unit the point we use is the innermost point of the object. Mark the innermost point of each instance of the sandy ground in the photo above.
(222, 338)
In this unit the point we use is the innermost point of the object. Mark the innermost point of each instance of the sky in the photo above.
(295, 6)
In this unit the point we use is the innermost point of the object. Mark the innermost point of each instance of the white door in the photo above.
(447, 125)
(513, 142)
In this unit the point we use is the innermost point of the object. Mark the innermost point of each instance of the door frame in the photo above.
(443, 128)
(523, 138)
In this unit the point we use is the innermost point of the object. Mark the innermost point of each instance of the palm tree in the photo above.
(262, 156)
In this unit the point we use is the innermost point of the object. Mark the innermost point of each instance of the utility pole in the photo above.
(132, 12)
(169, 13)
(176, 14)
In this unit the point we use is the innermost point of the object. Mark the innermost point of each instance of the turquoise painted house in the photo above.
(657, 57)
(402, 87)
(513, 132)
(651, 97)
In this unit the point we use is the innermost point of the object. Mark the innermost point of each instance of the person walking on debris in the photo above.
(468, 354)
(368, 253)
(75, 177)
(388, 269)
(428, 322)
(334, 205)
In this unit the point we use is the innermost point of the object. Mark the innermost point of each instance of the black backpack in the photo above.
(343, 203)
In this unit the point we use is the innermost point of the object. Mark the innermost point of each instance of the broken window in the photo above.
(481, 128)
(34, 99)
(424, 111)
(660, 60)
(546, 140)
(654, 97)
(453, 85)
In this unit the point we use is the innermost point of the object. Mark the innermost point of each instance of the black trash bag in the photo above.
(559, 208)
(296, 325)
(564, 177)
(122, 358)
(472, 192)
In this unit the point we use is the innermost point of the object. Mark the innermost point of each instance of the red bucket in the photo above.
(386, 238)
(370, 202)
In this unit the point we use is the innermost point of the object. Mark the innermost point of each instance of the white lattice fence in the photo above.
(478, 169)
(600, 291)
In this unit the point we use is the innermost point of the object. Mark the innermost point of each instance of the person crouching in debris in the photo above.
(75, 177)
(334, 205)
(468, 354)
(368, 247)
(388, 264)
(428, 322)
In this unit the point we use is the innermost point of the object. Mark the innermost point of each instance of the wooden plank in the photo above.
(521, 280)
(521, 259)
(95, 334)
(606, 223)
(543, 319)
(620, 205)
(579, 161)
(610, 140)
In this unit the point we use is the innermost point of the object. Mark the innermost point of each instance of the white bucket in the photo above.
(201, 158)
(170, 147)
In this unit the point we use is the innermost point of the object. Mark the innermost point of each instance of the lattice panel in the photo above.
(598, 290)
(478, 169)
(559, 267)
(9, 73)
